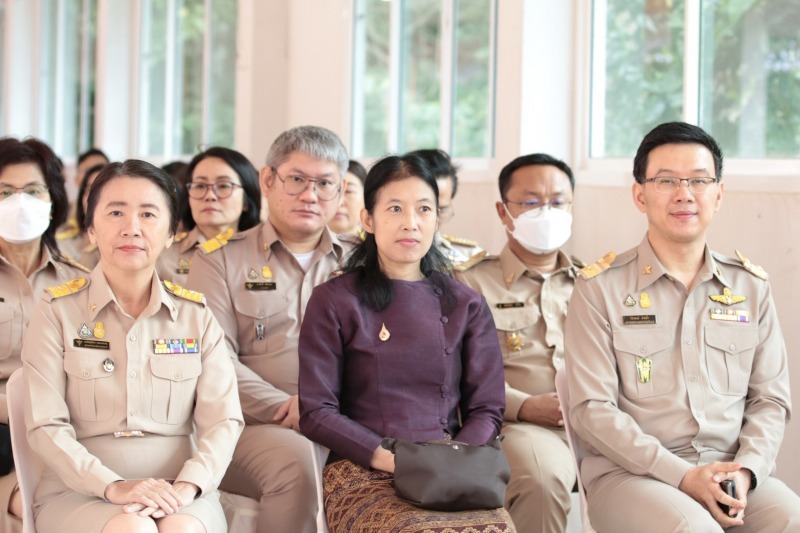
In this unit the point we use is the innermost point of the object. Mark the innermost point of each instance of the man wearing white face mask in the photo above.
(528, 287)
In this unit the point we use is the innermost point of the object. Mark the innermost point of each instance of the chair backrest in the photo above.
(575, 444)
(26, 463)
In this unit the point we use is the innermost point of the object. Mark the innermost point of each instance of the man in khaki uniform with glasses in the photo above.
(528, 287)
(257, 282)
(677, 367)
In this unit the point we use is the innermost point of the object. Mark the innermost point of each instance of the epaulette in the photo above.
(70, 232)
(350, 238)
(217, 242)
(471, 262)
(755, 270)
(71, 262)
(180, 236)
(598, 267)
(336, 273)
(70, 287)
(460, 241)
(181, 292)
(89, 248)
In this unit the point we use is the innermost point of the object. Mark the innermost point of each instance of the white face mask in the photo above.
(542, 231)
(23, 218)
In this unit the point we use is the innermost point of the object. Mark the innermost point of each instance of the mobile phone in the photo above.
(728, 486)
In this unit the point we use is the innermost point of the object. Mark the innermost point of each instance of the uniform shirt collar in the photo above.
(513, 268)
(192, 239)
(650, 268)
(101, 295)
(328, 243)
(47, 261)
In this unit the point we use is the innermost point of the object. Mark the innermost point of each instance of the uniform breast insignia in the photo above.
(266, 272)
(514, 341)
(756, 270)
(173, 346)
(730, 315)
(644, 369)
(180, 292)
(252, 275)
(647, 270)
(598, 267)
(727, 297)
(217, 242)
(183, 266)
(629, 301)
(644, 300)
(70, 287)
(471, 262)
(384, 333)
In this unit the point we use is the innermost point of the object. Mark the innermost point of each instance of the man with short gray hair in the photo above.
(258, 282)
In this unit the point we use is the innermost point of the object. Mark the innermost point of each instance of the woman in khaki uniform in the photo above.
(133, 401)
(29, 262)
(223, 194)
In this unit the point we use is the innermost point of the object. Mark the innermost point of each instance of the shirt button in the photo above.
(732, 347)
(443, 420)
(444, 320)
(26, 292)
(448, 351)
(689, 342)
(643, 349)
(132, 413)
(86, 373)
(443, 388)
(693, 379)
(132, 337)
(438, 291)
(133, 374)
(260, 313)
(177, 375)
(549, 315)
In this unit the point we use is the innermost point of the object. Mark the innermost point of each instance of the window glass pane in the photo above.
(153, 57)
(472, 79)
(221, 101)
(189, 77)
(372, 57)
(420, 75)
(637, 73)
(2, 69)
(750, 76)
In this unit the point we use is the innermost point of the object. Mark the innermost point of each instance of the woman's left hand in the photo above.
(187, 492)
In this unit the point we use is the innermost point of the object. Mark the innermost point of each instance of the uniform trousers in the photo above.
(538, 496)
(8, 522)
(621, 501)
(276, 466)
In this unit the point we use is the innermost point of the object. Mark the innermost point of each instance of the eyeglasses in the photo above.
(668, 184)
(324, 188)
(222, 189)
(535, 206)
(446, 213)
(36, 190)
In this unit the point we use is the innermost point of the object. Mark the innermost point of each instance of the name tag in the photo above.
(90, 343)
(510, 305)
(637, 320)
(261, 286)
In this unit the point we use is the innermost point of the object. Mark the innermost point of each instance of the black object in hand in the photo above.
(728, 487)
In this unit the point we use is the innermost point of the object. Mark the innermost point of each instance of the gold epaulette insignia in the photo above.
(755, 270)
(180, 292)
(180, 236)
(460, 241)
(70, 287)
(599, 266)
(471, 262)
(89, 248)
(217, 242)
(69, 232)
(71, 262)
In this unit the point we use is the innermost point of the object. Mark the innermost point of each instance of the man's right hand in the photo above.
(542, 410)
(702, 484)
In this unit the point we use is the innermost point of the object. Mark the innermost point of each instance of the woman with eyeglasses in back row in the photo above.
(223, 197)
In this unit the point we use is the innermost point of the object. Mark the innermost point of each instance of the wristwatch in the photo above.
(753, 480)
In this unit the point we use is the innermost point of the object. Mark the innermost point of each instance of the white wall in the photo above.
(294, 69)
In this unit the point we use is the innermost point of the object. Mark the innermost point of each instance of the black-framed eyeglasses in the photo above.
(535, 205)
(669, 184)
(222, 189)
(295, 184)
(36, 190)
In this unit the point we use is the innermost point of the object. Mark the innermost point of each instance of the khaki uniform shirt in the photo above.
(174, 262)
(18, 298)
(459, 251)
(529, 312)
(91, 370)
(663, 378)
(258, 292)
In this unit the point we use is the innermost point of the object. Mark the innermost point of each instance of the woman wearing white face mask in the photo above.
(33, 203)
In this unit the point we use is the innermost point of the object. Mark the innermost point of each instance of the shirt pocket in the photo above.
(262, 316)
(652, 344)
(515, 328)
(174, 386)
(6, 330)
(91, 393)
(729, 357)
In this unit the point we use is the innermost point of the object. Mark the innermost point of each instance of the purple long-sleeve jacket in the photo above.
(359, 385)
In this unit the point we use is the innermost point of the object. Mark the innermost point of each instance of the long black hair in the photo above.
(375, 289)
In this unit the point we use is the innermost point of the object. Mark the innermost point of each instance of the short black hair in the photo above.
(31, 150)
(440, 164)
(134, 168)
(90, 152)
(674, 133)
(248, 175)
(504, 180)
(80, 212)
(357, 169)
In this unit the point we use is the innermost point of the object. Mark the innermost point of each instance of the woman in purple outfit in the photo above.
(395, 347)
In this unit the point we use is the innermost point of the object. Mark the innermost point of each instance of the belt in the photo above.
(129, 434)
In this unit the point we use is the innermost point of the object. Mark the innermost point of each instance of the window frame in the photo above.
(738, 173)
